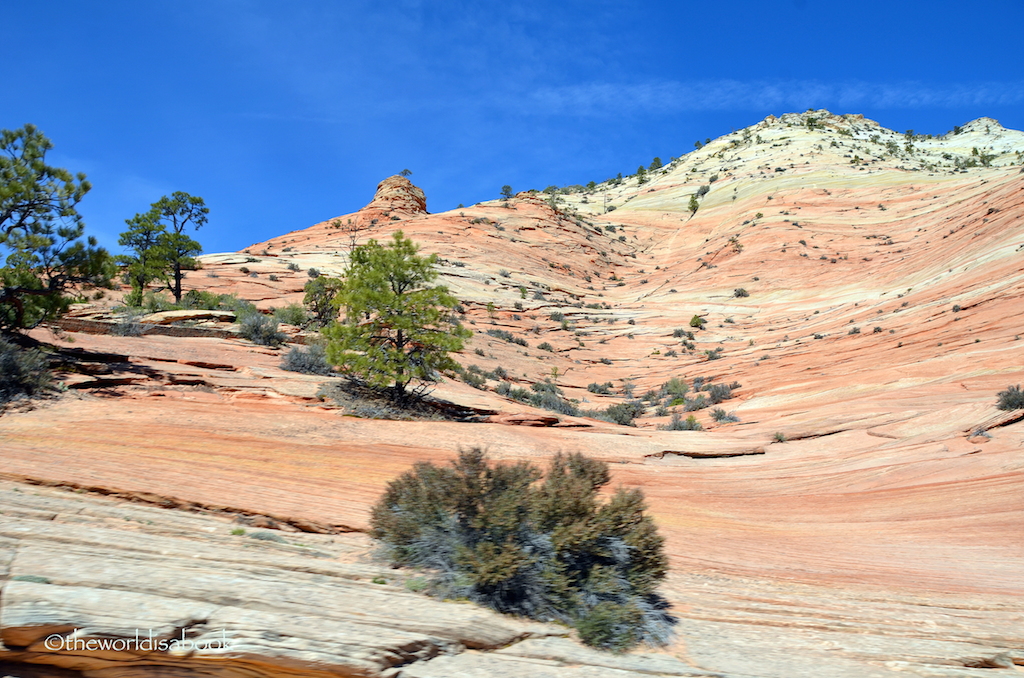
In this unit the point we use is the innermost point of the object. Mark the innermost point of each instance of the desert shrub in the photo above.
(740, 292)
(23, 372)
(293, 266)
(651, 396)
(698, 403)
(1011, 399)
(313, 273)
(525, 543)
(718, 392)
(545, 346)
(697, 321)
(242, 308)
(549, 397)
(680, 424)
(553, 402)
(266, 536)
(603, 389)
(309, 360)
(517, 393)
(200, 299)
(713, 354)
(475, 379)
(292, 314)
(127, 323)
(153, 302)
(557, 316)
(620, 413)
(497, 373)
(260, 329)
(722, 417)
(505, 335)
(675, 387)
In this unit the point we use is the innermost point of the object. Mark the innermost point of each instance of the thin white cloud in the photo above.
(667, 97)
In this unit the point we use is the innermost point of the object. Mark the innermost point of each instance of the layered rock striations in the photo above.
(862, 286)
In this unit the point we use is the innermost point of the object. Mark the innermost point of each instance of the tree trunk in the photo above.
(177, 283)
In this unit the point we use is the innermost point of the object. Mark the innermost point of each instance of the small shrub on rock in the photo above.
(541, 546)
(680, 424)
(260, 329)
(722, 417)
(311, 359)
(24, 372)
(127, 323)
(622, 414)
(1011, 399)
(293, 314)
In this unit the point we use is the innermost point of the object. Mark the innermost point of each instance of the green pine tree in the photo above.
(397, 328)
(641, 175)
(41, 255)
(160, 248)
(145, 264)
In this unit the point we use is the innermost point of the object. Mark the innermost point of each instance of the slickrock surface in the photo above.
(884, 312)
(273, 602)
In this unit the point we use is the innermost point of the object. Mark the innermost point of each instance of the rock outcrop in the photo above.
(110, 589)
(862, 287)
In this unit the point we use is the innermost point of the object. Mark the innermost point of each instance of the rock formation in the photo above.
(862, 518)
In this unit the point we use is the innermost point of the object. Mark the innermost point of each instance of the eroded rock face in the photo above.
(78, 571)
(398, 194)
(881, 538)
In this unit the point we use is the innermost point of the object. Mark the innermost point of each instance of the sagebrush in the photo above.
(525, 543)
(24, 372)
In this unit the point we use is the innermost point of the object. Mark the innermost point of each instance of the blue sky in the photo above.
(283, 114)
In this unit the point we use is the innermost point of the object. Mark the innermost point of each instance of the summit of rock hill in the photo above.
(863, 517)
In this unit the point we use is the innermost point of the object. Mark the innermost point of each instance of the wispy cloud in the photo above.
(788, 95)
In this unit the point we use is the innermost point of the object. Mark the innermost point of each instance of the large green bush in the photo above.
(541, 546)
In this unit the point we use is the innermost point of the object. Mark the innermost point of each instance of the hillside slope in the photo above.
(867, 503)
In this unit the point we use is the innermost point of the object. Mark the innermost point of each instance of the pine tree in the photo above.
(180, 210)
(160, 248)
(145, 265)
(41, 254)
(397, 328)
